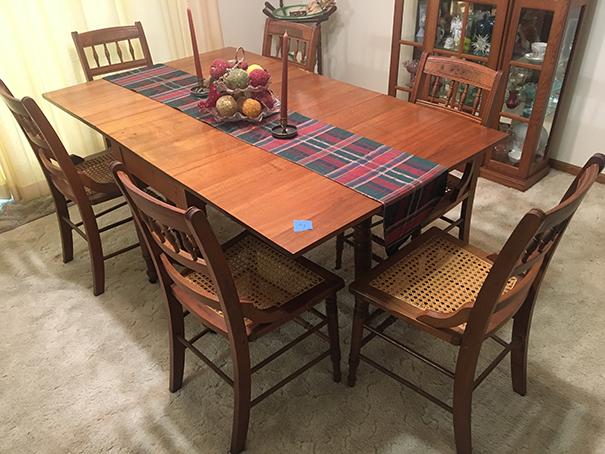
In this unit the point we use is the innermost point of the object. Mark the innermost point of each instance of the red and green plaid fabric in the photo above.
(407, 186)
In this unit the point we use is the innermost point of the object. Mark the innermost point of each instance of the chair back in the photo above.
(455, 85)
(112, 49)
(303, 42)
(57, 166)
(182, 242)
(517, 273)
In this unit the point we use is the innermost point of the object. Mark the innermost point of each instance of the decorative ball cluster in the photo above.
(238, 76)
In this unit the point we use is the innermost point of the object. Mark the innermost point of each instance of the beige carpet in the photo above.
(81, 374)
(13, 214)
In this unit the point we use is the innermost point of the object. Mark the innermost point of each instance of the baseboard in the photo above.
(570, 168)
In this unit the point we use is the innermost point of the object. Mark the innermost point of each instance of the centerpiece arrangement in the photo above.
(239, 91)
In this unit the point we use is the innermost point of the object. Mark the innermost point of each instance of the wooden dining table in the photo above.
(189, 161)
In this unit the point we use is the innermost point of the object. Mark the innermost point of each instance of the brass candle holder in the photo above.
(284, 130)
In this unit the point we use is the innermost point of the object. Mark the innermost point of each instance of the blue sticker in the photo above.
(301, 226)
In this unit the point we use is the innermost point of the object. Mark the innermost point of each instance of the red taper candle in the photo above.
(196, 53)
(285, 50)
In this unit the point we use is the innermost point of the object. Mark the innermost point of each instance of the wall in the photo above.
(582, 113)
(357, 44)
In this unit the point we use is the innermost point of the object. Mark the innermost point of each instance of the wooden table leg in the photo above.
(466, 212)
(362, 238)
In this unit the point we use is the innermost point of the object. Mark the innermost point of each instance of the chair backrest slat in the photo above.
(112, 36)
(470, 88)
(303, 42)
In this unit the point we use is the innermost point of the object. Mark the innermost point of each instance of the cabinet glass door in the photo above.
(560, 73)
(412, 42)
(470, 30)
(525, 72)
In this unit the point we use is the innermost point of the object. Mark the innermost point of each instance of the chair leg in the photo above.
(67, 241)
(520, 342)
(177, 349)
(463, 398)
(340, 245)
(361, 313)
(332, 314)
(95, 250)
(464, 379)
(242, 403)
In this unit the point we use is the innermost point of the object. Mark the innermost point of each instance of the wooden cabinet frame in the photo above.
(533, 165)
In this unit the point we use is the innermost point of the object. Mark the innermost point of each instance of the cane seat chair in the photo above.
(462, 295)
(470, 90)
(303, 42)
(117, 51)
(84, 181)
(242, 290)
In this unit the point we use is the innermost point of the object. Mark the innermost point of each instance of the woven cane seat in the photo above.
(440, 275)
(262, 275)
(97, 167)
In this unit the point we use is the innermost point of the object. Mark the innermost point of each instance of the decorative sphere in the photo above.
(259, 78)
(237, 78)
(265, 98)
(213, 96)
(251, 108)
(253, 67)
(226, 106)
(244, 65)
(218, 68)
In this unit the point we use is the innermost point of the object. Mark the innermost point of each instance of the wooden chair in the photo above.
(303, 41)
(471, 95)
(118, 51)
(242, 290)
(463, 296)
(457, 86)
(83, 181)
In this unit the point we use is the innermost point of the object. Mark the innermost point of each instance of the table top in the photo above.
(264, 192)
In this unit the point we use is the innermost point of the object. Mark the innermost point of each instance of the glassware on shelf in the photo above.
(529, 95)
(513, 101)
(532, 37)
(421, 24)
(518, 134)
(411, 67)
(456, 31)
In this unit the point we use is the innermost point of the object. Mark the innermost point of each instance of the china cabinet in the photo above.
(530, 41)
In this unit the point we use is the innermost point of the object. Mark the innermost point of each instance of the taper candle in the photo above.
(285, 50)
(196, 53)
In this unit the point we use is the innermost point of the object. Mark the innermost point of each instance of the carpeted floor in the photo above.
(12, 214)
(84, 374)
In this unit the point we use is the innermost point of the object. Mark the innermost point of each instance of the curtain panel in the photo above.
(37, 55)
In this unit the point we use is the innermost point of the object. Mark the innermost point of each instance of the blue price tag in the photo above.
(301, 226)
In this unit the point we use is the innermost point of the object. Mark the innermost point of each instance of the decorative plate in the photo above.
(295, 12)
(534, 58)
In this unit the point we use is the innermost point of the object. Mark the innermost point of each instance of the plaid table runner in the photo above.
(407, 186)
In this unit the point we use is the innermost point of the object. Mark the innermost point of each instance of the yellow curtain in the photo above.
(37, 55)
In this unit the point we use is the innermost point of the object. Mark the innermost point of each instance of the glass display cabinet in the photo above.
(530, 41)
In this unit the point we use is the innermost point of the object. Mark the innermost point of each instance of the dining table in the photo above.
(193, 163)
